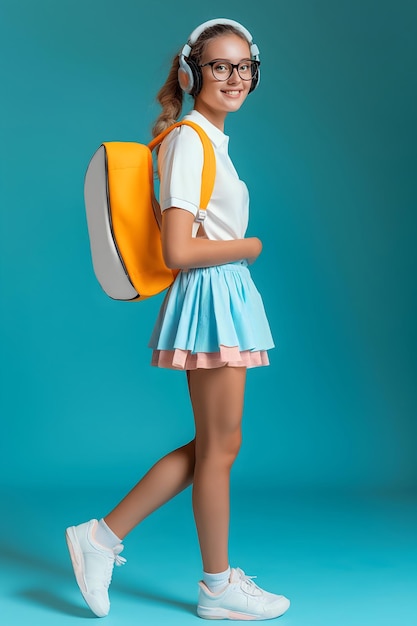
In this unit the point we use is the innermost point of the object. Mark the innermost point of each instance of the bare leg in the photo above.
(217, 398)
(169, 476)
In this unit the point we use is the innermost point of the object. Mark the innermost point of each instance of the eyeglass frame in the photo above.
(256, 62)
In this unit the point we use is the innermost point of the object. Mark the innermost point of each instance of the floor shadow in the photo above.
(32, 561)
(155, 597)
(49, 600)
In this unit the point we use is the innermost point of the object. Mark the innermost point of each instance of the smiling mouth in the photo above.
(232, 92)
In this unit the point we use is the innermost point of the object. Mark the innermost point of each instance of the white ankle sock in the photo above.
(217, 582)
(105, 536)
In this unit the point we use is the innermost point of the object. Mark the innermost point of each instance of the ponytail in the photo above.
(170, 98)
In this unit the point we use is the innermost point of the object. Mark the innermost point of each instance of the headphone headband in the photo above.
(222, 21)
(189, 75)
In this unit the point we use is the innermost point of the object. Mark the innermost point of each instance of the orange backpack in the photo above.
(124, 217)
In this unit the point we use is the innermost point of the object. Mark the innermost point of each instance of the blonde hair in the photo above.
(170, 96)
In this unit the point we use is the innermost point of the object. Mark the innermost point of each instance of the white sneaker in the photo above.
(241, 599)
(93, 565)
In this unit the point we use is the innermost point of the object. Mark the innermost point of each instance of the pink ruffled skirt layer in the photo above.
(212, 317)
(186, 360)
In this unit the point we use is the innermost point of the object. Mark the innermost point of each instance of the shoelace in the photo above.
(247, 583)
(118, 560)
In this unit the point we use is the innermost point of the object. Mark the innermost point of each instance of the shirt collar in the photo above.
(217, 137)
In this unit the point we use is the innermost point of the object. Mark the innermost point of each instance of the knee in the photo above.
(219, 450)
(233, 444)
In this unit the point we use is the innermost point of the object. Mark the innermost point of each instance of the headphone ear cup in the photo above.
(255, 80)
(197, 77)
(185, 76)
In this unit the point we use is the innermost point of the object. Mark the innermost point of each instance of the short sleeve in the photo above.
(180, 164)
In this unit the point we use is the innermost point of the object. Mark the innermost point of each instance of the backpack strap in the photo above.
(209, 164)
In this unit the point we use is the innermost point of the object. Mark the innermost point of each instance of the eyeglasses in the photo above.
(222, 70)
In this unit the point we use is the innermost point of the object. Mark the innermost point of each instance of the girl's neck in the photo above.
(217, 118)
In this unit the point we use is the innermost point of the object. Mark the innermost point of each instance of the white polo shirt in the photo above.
(180, 163)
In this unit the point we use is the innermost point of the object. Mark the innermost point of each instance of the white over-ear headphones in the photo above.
(189, 74)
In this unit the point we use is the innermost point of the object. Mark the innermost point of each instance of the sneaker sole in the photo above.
(76, 557)
(219, 613)
(77, 561)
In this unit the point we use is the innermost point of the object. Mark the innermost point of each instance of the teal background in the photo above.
(327, 148)
(324, 505)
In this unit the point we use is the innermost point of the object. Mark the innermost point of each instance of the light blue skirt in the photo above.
(211, 317)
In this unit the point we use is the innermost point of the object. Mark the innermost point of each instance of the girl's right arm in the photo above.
(182, 251)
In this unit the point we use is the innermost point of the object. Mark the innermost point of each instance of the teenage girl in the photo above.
(212, 324)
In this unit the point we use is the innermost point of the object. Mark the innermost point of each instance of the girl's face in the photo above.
(218, 98)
